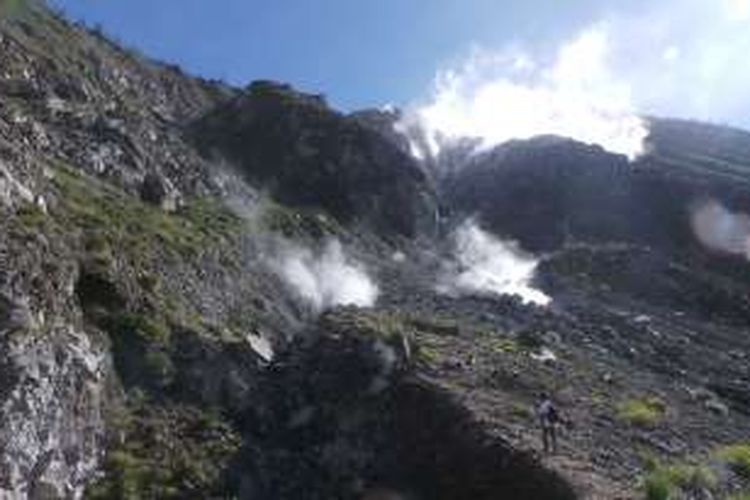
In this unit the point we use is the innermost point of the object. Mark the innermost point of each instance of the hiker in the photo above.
(548, 420)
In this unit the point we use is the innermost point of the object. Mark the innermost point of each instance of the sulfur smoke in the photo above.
(485, 264)
(325, 279)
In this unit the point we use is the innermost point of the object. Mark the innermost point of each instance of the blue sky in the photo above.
(358, 52)
(587, 69)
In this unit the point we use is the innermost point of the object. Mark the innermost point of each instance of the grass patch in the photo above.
(642, 412)
(370, 324)
(664, 482)
(32, 216)
(505, 346)
(737, 456)
(112, 218)
(521, 411)
(167, 452)
(298, 222)
(428, 355)
(442, 327)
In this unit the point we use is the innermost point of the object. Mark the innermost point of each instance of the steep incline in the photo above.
(161, 238)
(149, 346)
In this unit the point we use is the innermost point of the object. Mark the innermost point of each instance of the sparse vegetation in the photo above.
(521, 410)
(9, 8)
(435, 325)
(31, 216)
(642, 412)
(531, 340)
(428, 355)
(140, 325)
(505, 345)
(738, 458)
(298, 222)
(377, 325)
(664, 481)
(166, 452)
(112, 218)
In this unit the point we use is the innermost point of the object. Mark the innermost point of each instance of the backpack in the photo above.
(552, 415)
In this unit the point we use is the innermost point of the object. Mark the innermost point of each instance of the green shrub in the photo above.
(642, 412)
(738, 458)
(658, 487)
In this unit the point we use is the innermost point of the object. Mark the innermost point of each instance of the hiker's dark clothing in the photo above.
(548, 420)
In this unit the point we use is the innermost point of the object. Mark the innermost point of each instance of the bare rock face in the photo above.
(52, 395)
(150, 348)
(308, 155)
(52, 425)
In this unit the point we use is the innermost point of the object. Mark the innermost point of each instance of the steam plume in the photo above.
(325, 279)
(496, 97)
(485, 264)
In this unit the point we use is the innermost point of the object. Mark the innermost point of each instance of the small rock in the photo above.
(717, 407)
(544, 356)
(552, 338)
(261, 346)
(157, 190)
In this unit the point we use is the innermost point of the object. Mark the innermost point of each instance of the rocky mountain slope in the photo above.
(212, 292)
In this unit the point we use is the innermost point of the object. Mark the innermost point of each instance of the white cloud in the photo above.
(672, 53)
(737, 10)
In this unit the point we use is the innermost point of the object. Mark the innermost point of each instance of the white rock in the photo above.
(261, 346)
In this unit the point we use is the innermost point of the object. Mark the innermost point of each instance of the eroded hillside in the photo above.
(210, 292)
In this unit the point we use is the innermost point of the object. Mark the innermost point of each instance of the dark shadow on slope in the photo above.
(443, 454)
(335, 431)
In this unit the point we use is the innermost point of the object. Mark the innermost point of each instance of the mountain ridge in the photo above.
(153, 345)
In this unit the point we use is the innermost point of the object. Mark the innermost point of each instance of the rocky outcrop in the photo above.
(351, 416)
(149, 348)
(52, 409)
(550, 192)
(305, 154)
(55, 376)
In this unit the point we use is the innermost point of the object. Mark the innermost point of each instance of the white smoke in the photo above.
(485, 264)
(722, 230)
(497, 97)
(683, 58)
(327, 278)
